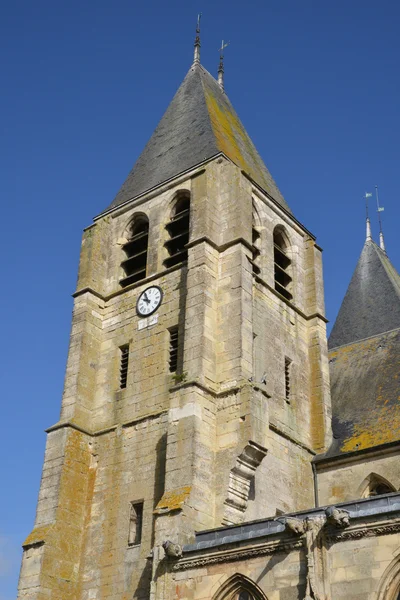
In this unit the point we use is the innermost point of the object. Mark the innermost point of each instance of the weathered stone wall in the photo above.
(348, 480)
(130, 468)
(211, 445)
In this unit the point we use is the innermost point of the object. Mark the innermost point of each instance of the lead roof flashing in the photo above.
(365, 508)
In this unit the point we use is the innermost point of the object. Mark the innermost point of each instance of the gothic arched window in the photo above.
(282, 264)
(375, 485)
(135, 248)
(389, 586)
(178, 231)
(239, 587)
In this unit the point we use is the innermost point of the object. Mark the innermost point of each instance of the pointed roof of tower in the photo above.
(200, 123)
(372, 302)
(364, 357)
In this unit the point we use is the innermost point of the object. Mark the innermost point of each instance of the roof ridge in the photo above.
(389, 268)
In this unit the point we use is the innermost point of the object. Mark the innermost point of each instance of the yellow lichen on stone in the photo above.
(384, 429)
(173, 500)
(38, 535)
(230, 135)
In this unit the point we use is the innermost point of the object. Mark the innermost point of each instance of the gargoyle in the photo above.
(172, 550)
(337, 516)
(296, 526)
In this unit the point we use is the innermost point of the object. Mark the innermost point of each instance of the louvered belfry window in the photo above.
(288, 362)
(123, 367)
(282, 265)
(178, 232)
(135, 263)
(173, 349)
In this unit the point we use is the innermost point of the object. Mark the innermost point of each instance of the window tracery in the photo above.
(376, 485)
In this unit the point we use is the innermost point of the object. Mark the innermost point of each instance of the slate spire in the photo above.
(371, 305)
(198, 125)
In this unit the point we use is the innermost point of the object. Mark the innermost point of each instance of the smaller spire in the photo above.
(368, 236)
(379, 210)
(221, 65)
(196, 60)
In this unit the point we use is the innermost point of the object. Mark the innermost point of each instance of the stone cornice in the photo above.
(286, 301)
(237, 554)
(95, 433)
(289, 437)
(364, 530)
(128, 287)
(234, 389)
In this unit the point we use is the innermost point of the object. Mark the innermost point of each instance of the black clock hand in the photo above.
(145, 298)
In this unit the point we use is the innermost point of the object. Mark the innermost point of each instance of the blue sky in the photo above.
(83, 86)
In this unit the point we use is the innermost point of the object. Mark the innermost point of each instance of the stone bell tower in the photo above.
(196, 390)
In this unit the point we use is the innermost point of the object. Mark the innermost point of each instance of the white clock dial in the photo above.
(149, 301)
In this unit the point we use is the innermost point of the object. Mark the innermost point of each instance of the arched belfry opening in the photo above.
(178, 229)
(256, 242)
(239, 587)
(375, 485)
(135, 249)
(282, 263)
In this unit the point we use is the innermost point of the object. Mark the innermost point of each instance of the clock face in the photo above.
(149, 301)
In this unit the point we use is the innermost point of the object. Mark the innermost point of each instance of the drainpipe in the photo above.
(314, 470)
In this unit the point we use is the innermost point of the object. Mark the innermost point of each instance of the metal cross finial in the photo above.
(221, 50)
(221, 64)
(198, 23)
(196, 60)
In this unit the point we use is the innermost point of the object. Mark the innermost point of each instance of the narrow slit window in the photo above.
(255, 251)
(134, 264)
(123, 367)
(135, 523)
(178, 232)
(282, 266)
(173, 349)
(288, 362)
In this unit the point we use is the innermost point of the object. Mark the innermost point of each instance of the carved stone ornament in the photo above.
(172, 550)
(337, 517)
(370, 531)
(242, 554)
(296, 526)
(240, 479)
(314, 572)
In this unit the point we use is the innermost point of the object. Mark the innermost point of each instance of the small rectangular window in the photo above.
(288, 362)
(123, 367)
(173, 349)
(135, 523)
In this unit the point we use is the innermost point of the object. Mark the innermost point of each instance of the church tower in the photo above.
(197, 384)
